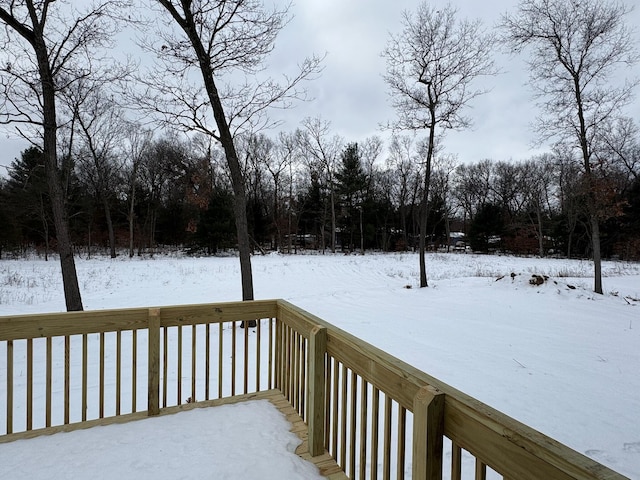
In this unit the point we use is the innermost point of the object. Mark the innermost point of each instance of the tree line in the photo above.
(109, 181)
(310, 189)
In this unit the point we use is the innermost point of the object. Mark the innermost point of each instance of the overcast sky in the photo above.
(352, 95)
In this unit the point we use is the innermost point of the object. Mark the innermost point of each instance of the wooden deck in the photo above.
(326, 464)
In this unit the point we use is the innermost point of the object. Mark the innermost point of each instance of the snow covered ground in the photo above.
(556, 356)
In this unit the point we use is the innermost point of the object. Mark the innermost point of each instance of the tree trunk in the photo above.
(592, 202)
(424, 210)
(333, 218)
(131, 213)
(235, 170)
(403, 225)
(422, 243)
(112, 236)
(597, 259)
(276, 213)
(540, 237)
(45, 229)
(447, 229)
(72, 296)
(361, 233)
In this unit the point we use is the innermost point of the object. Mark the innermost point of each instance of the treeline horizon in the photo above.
(310, 189)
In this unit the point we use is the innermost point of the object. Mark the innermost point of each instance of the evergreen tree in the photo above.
(351, 183)
(486, 228)
(28, 198)
(216, 225)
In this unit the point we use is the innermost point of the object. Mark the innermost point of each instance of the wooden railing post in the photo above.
(428, 432)
(153, 402)
(316, 389)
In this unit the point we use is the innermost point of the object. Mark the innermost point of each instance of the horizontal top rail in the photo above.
(217, 312)
(14, 327)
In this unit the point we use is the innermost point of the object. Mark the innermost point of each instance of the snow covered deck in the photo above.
(248, 436)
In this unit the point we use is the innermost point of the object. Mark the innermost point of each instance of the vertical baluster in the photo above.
(402, 430)
(85, 373)
(9, 386)
(287, 361)
(233, 358)
(271, 358)
(335, 414)
(179, 379)
(134, 371)
(375, 421)
(296, 371)
(481, 470)
(258, 340)
(29, 384)
(303, 377)
(364, 388)
(101, 406)
(343, 418)
(352, 426)
(118, 369)
(456, 462)
(386, 462)
(67, 377)
(245, 365)
(220, 358)
(278, 356)
(193, 362)
(327, 406)
(165, 365)
(207, 362)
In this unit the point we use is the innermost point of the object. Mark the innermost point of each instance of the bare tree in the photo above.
(537, 187)
(137, 143)
(322, 148)
(567, 178)
(443, 168)
(289, 152)
(430, 68)
(214, 39)
(575, 49)
(621, 145)
(400, 163)
(46, 47)
(100, 126)
(162, 166)
(277, 166)
(472, 186)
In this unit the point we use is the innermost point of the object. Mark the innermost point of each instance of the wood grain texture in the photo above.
(428, 427)
(153, 399)
(316, 394)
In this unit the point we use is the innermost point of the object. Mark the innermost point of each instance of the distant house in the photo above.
(457, 240)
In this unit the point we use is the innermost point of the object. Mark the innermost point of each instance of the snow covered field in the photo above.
(556, 356)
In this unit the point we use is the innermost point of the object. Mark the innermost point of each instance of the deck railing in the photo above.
(377, 416)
